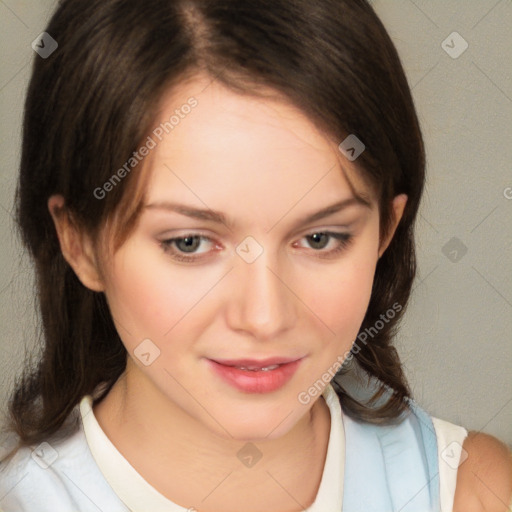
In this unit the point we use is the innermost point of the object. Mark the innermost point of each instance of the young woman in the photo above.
(220, 198)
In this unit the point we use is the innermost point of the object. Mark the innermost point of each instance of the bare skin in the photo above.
(484, 479)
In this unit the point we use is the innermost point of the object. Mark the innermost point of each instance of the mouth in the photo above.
(256, 365)
(256, 376)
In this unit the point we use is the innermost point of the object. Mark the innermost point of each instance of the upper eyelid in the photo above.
(304, 234)
(345, 228)
(304, 231)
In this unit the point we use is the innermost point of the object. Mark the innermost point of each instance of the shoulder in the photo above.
(484, 479)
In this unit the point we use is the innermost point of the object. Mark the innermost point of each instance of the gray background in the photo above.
(456, 339)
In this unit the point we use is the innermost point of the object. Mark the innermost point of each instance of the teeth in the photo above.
(256, 369)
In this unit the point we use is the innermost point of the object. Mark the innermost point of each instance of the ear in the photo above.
(398, 206)
(76, 247)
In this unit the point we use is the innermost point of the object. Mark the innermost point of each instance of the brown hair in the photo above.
(92, 102)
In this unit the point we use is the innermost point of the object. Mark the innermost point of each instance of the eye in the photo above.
(187, 248)
(192, 248)
(325, 243)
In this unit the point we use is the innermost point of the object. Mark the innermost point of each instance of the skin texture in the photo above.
(484, 479)
(265, 167)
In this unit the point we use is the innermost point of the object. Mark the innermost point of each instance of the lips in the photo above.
(255, 364)
(255, 375)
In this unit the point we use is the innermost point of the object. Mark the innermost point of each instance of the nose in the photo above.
(261, 305)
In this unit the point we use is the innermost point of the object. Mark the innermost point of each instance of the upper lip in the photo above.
(258, 363)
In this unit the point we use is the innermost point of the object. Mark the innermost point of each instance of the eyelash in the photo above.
(343, 239)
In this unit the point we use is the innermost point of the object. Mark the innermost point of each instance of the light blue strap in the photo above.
(391, 468)
(431, 451)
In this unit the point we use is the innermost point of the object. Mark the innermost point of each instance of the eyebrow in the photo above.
(208, 214)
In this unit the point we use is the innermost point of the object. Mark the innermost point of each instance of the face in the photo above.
(252, 251)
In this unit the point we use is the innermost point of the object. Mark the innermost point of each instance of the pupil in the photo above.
(318, 240)
(188, 244)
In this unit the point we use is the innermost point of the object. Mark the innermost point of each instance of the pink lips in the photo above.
(256, 376)
(263, 363)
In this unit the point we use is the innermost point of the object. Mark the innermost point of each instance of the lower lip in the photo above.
(256, 381)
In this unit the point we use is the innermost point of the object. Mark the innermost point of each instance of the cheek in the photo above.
(340, 297)
(153, 299)
(145, 300)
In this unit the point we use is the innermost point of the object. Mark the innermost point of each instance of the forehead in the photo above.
(257, 154)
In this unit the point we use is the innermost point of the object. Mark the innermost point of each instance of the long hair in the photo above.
(92, 102)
